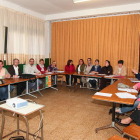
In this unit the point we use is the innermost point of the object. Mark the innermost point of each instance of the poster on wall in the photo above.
(48, 81)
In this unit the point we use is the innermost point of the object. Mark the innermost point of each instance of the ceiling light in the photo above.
(77, 1)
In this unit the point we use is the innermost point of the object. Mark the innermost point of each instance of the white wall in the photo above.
(95, 12)
(21, 9)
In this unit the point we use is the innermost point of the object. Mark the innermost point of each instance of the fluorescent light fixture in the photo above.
(77, 1)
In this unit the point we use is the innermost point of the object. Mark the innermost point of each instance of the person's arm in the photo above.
(115, 71)
(66, 69)
(77, 68)
(111, 70)
(99, 69)
(124, 71)
(92, 69)
(73, 68)
(7, 74)
(36, 70)
(136, 86)
(38, 67)
(11, 71)
(138, 106)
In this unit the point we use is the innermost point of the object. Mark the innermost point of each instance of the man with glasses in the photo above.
(32, 69)
(87, 70)
(15, 72)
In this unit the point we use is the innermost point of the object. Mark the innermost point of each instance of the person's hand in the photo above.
(138, 106)
(46, 71)
(96, 72)
(15, 76)
(92, 72)
(135, 71)
(135, 87)
(38, 73)
(7, 75)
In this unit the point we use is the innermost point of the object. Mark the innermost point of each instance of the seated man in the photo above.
(135, 116)
(4, 89)
(95, 70)
(52, 68)
(15, 71)
(120, 69)
(87, 70)
(31, 69)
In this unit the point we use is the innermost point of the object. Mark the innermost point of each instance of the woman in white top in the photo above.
(80, 68)
(4, 89)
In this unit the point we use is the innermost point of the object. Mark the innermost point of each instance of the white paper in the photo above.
(60, 71)
(135, 80)
(49, 73)
(101, 74)
(128, 90)
(103, 94)
(125, 95)
(91, 73)
(107, 76)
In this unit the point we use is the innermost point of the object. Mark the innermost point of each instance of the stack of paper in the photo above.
(109, 76)
(91, 73)
(128, 90)
(103, 94)
(102, 74)
(49, 73)
(60, 71)
(125, 95)
(135, 80)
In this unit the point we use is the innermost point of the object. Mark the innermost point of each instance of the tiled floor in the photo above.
(68, 115)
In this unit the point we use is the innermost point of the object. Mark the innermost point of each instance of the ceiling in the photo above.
(48, 7)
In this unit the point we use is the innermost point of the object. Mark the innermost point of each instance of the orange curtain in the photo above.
(105, 38)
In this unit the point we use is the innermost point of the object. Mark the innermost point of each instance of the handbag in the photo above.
(29, 76)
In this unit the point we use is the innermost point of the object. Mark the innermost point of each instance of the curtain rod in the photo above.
(88, 17)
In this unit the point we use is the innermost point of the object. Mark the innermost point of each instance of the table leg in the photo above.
(41, 119)
(9, 91)
(2, 124)
(38, 88)
(27, 128)
(112, 124)
(27, 91)
(17, 124)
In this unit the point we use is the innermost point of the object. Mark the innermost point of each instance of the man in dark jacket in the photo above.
(15, 71)
(95, 70)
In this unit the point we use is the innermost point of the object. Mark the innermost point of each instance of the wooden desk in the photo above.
(114, 99)
(24, 112)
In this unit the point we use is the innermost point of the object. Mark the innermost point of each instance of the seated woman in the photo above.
(136, 74)
(127, 108)
(4, 74)
(69, 68)
(80, 68)
(135, 116)
(120, 69)
(52, 68)
(95, 70)
(108, 70)
(41, 66)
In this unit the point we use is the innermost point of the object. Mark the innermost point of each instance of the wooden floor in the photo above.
(68, 115)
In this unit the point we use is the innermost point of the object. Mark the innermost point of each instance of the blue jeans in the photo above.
(127, 108)
(53, 79)
(4, 92)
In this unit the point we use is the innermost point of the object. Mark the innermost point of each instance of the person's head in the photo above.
(1, 64)
(31, 61)
(107, 63)
(81, 62)
(16, 62)
(89, 61)
(70, 62)
(97, 62)
(41, 62)
(120, 63)
(53, 63)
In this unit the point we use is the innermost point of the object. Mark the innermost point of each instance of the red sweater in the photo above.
(69, 68)
(39, 68)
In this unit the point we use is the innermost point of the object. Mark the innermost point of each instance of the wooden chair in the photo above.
(133, 131)
(115, 137)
